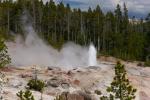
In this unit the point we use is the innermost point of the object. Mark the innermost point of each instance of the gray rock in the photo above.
(87, 91)
(75, 96)
(54, 82)
(65, 85)
(53, 68)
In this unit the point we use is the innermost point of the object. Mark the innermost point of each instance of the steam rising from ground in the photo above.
(33, 51)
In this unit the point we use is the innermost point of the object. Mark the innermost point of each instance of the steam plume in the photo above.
(33, 51)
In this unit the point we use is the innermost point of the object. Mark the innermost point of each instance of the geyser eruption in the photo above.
(92, 55)
(34, 51)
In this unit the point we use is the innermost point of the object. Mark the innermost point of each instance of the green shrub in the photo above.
(36, 84)
(25, 95)
(97, 92)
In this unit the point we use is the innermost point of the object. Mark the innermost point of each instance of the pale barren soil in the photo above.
(88, 79)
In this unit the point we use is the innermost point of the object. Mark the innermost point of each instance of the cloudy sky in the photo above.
(138, 8)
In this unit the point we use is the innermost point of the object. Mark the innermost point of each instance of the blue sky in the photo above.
(138, 8)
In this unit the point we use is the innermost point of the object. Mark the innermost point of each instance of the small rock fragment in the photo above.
(50, 68)
(65, 85)
(69, 73)
(25, 75)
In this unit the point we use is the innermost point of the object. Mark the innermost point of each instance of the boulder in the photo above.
(74, 96)
(54, 82)
(65, 85)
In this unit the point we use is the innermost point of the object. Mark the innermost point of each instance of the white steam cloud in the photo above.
(33, 51)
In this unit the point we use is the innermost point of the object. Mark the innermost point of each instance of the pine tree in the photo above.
(57, 23)
(98, 25)
(108, 30)
(4, 57)
(120, 87)
(147, 29)
(125, 19)
(118, 15)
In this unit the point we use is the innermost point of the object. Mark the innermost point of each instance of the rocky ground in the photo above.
(80, 82)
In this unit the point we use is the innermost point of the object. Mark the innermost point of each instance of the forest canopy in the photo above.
(113, 33)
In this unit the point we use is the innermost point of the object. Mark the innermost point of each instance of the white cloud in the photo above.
(134, 6)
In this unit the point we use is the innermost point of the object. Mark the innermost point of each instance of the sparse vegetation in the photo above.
(98, 92)
(25, 95)
(36, 84)
(120, 87)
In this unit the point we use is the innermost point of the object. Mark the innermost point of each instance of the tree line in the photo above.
(112, 33)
